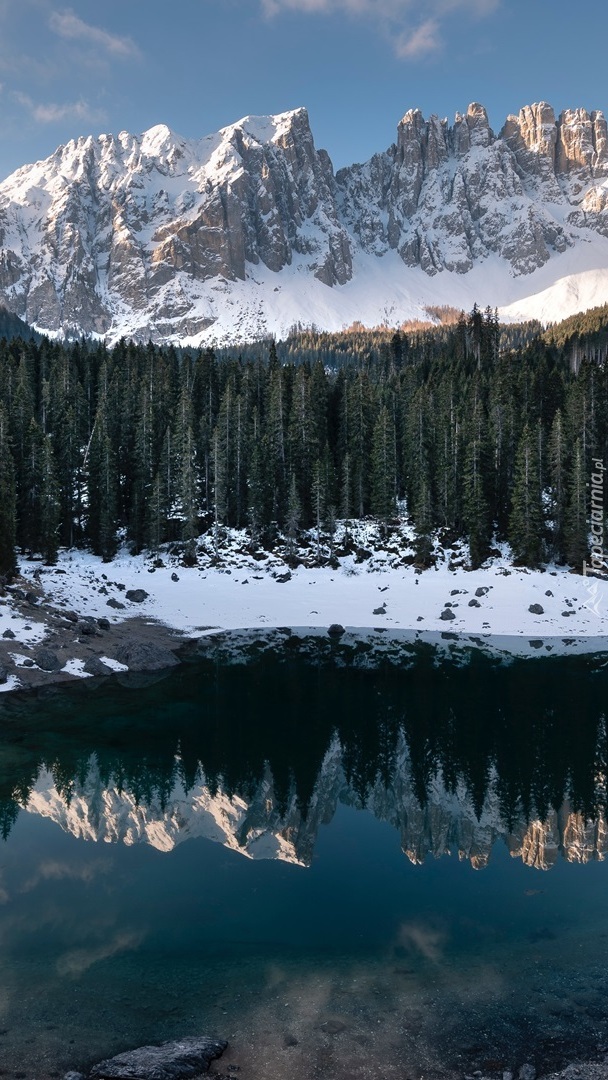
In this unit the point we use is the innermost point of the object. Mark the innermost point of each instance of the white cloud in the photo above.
(422, 41)
(53, 113)
(70, 26)
(399, 20)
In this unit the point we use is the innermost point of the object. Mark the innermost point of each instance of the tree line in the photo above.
(155, 445)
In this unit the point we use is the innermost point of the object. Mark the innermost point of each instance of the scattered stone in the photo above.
(335, 630)
(174, 576)
(115, 603)
(282, 578)
(27, 662)
(144, 656)
(548, 593)
(158, 564)
(474, 603)
(74, 1076)
(447, 615)
(137, 596)
(48, 660)
(333, 1027)
(380, 610)
(170, 1061)
(536, 609)
(290, 1040)
(71, 616)
(3, 674)
(32, 598)
(482, 590)
(103, 624)
(527, 1072)
(9, 634)
(119, 585)
(87, 629)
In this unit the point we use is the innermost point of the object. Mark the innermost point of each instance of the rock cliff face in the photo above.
(156, 236)
(124, 230)
(446, 197)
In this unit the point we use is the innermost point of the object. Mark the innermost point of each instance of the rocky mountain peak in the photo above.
(158, 236)
(478, 124)
(581, 143)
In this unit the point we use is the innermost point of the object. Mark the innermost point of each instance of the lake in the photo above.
(348, 871)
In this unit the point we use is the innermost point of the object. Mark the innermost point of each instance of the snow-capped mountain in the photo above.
(258, 827)
(248, 232)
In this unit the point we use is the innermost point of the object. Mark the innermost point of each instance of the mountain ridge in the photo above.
(248, 231)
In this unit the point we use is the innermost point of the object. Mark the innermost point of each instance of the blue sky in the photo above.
(357, 65)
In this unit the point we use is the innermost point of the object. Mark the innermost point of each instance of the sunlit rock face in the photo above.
(264, 826)
(156, 236)
(122, 227)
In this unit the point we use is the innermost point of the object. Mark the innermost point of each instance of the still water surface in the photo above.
(347, 873)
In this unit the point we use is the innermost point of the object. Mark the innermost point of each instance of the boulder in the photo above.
(145, 656)
(136, 596)
(335, 630)
(95, 666)
(3, 674)
(447, 615)
(536, 609)
(8, 634)
(47, 660)
(115, 603)
(170, 1061)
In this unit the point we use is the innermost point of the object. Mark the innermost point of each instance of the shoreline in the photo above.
(135, 613)
(84, 618)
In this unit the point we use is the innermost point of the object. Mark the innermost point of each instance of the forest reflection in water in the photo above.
(323, 951)
(257, 755)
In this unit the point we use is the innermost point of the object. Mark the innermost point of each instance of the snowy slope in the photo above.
(248, 232)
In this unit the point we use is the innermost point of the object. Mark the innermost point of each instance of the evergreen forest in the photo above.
(482, 433)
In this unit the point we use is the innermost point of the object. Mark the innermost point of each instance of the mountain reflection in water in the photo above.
(258, 755)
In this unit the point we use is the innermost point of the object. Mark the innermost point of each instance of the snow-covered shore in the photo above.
(498, 607)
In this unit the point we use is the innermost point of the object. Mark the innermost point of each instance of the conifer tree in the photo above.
(8, 500)
(49, 504)
(526, 520)
(576, 524)
(477, 519)
(557, 477)
(384, 466)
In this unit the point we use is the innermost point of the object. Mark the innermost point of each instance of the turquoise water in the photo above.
(283, 853)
